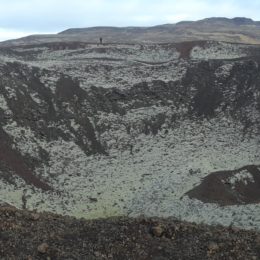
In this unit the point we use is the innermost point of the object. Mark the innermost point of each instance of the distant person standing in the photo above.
(101, 40)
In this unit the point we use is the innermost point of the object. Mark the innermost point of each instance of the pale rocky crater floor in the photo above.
(97, 131)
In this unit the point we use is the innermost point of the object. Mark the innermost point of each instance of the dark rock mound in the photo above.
(241, 186)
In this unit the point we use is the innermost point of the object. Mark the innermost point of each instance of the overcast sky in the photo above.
(23, 17)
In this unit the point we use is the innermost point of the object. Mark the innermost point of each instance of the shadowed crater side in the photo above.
(241, 186)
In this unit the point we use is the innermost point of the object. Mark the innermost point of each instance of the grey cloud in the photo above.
(56, 15)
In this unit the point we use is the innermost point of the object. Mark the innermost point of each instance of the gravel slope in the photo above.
(29, 235)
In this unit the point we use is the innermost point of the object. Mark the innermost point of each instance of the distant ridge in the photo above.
(237, 21)
(238, 30)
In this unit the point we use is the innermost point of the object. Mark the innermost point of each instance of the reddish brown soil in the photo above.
(28, 235)
(215, 188)
(16, 163)
(184, 48)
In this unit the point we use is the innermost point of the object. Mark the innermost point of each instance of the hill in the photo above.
(239, 30)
